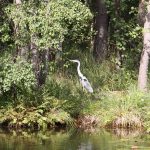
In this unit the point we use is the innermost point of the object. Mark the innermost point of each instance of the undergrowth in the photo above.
(115, 102)
(42, 117)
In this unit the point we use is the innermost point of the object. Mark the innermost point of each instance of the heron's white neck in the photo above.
(78, 70)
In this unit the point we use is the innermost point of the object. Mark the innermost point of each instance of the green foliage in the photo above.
(50, 23)
(5, 37)
(145, 112)
(68, 92)
(16, 75)
(4, 30)
(125, 32)
(34, 118)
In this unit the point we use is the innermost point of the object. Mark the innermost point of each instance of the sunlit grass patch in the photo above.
(120, 109)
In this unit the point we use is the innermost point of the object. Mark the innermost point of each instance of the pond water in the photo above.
(74, 140)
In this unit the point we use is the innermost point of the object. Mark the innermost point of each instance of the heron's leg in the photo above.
(84, 90)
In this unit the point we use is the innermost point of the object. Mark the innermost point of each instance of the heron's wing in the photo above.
(85, 83)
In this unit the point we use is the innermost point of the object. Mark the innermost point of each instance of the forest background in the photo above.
(39, 86)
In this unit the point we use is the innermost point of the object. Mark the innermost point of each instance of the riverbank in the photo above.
(117, 109)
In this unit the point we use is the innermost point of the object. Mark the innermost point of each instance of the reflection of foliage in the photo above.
(127, 133)
(72, 139)
(22, 140)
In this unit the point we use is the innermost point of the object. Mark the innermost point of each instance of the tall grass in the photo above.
(104, 76)
(122, 109)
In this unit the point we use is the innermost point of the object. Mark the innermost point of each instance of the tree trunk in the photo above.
(47, 51)
(40, 61)
(101, 27)
(143, 69)
(21, 51)
(16, 30)
(118, 52)
(142, 79)
(35, 59)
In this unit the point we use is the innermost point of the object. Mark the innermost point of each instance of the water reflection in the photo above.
(74, 140)
(126, 133)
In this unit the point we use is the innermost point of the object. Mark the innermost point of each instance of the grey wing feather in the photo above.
(85, 83)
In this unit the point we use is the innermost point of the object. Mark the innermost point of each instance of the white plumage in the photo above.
(83, 80)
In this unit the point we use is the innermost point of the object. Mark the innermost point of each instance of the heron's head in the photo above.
(75, 60)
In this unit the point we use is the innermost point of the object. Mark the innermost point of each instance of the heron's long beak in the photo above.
(71, 60)
(76, 61)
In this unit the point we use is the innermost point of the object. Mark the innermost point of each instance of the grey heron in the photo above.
(83, 80)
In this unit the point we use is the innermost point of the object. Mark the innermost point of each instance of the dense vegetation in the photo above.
(39, 86)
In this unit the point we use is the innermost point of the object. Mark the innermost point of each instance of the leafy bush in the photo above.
(68, 93)
(43, 117)
(16, 77)
(51, 22)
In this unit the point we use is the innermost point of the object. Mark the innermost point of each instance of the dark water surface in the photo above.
(74, 140)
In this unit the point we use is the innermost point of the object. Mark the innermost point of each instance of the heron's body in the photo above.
(83, 80)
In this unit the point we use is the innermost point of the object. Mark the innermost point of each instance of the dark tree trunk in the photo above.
(21, 51)
(40, 60)
(16, 30)
(43, 67)
(101, 28)
(51, 54)
(118, 52)
(47, 53)
(35, 59)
